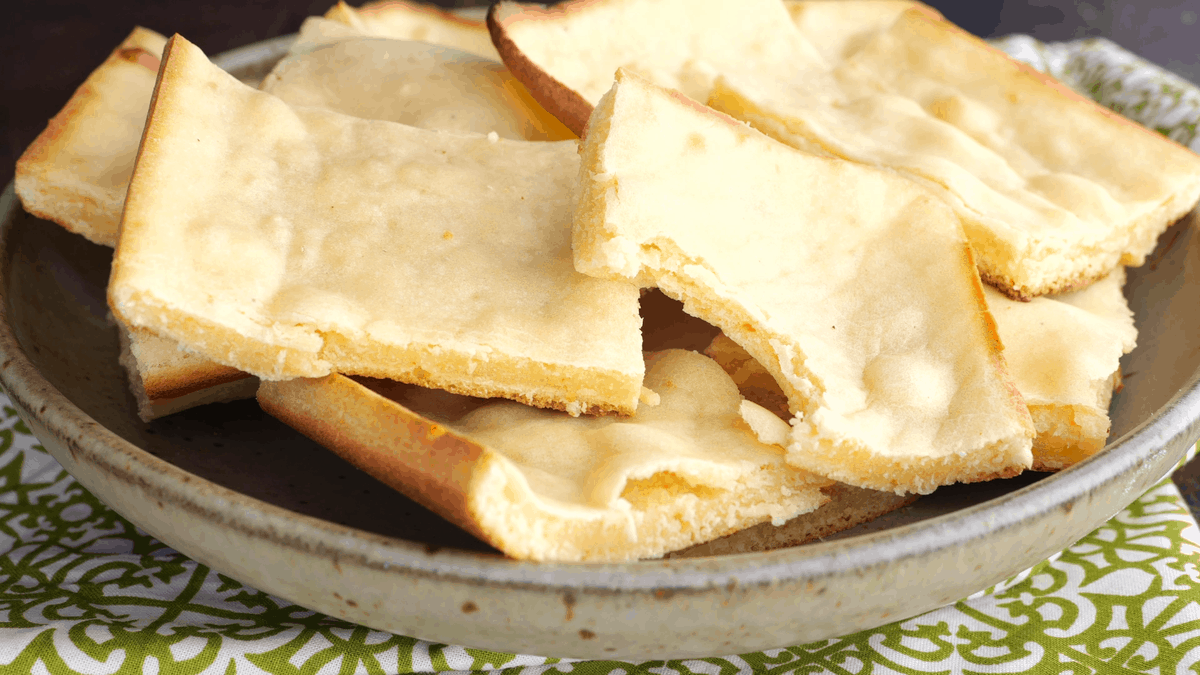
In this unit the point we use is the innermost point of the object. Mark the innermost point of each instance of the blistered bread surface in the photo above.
(292, 242)
(542, 485)
(853, 286)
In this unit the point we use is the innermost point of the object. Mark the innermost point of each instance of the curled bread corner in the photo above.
(564, 103)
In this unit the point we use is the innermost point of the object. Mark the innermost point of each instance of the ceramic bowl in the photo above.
(240, 492)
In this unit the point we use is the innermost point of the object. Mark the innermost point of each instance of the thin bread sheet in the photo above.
(858, 293)
(1064, 353)
(542, 485)
(1054, 191)
(295, 242)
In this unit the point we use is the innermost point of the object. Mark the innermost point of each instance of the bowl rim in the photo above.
(1171, 429)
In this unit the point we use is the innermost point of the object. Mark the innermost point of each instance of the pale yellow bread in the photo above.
(1064, 354)
(858, 292)
(458, 92)
(542, 485)
(838, 28)
(848, 507)
(165, 379)
(76, 171)
(1054, 190)
(412, 83)
(566, 54)
(417, 21)
(295, 242)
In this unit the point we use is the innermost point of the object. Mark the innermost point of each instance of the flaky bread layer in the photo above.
(470, 372)
(1067, 435)
(75, 173)
(485, 493)
(84, 209)
(922, 475)
(1032, 272)
(586, 390)
(166, 379)
(848, 507)
(167, 370)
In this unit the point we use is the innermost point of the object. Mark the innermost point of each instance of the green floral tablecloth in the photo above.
(84, 591)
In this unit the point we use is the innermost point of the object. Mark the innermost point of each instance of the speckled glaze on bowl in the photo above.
(239, 492)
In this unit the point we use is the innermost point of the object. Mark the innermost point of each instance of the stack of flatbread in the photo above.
(397, 244)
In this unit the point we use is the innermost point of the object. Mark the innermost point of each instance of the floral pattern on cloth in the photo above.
(83, 591)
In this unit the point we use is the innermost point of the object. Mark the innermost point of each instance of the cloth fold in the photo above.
(83, 591)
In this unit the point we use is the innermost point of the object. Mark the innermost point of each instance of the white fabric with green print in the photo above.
(84, 591)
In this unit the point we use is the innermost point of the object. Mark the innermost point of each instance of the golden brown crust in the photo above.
(1006, 285)
(182, 381)
(70, 201)
(557, 98)
(481, 485)
(381, 437)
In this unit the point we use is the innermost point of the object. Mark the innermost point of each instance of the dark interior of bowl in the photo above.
(59, 315)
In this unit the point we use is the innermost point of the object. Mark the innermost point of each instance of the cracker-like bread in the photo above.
(1064, 354)
(165, 379)
(334, 67)
(416, 21)
(295, 242)
(76, 171)
(1054, 191)
(566, 54)
(412, 83)
(854, 287)
(542, 485)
